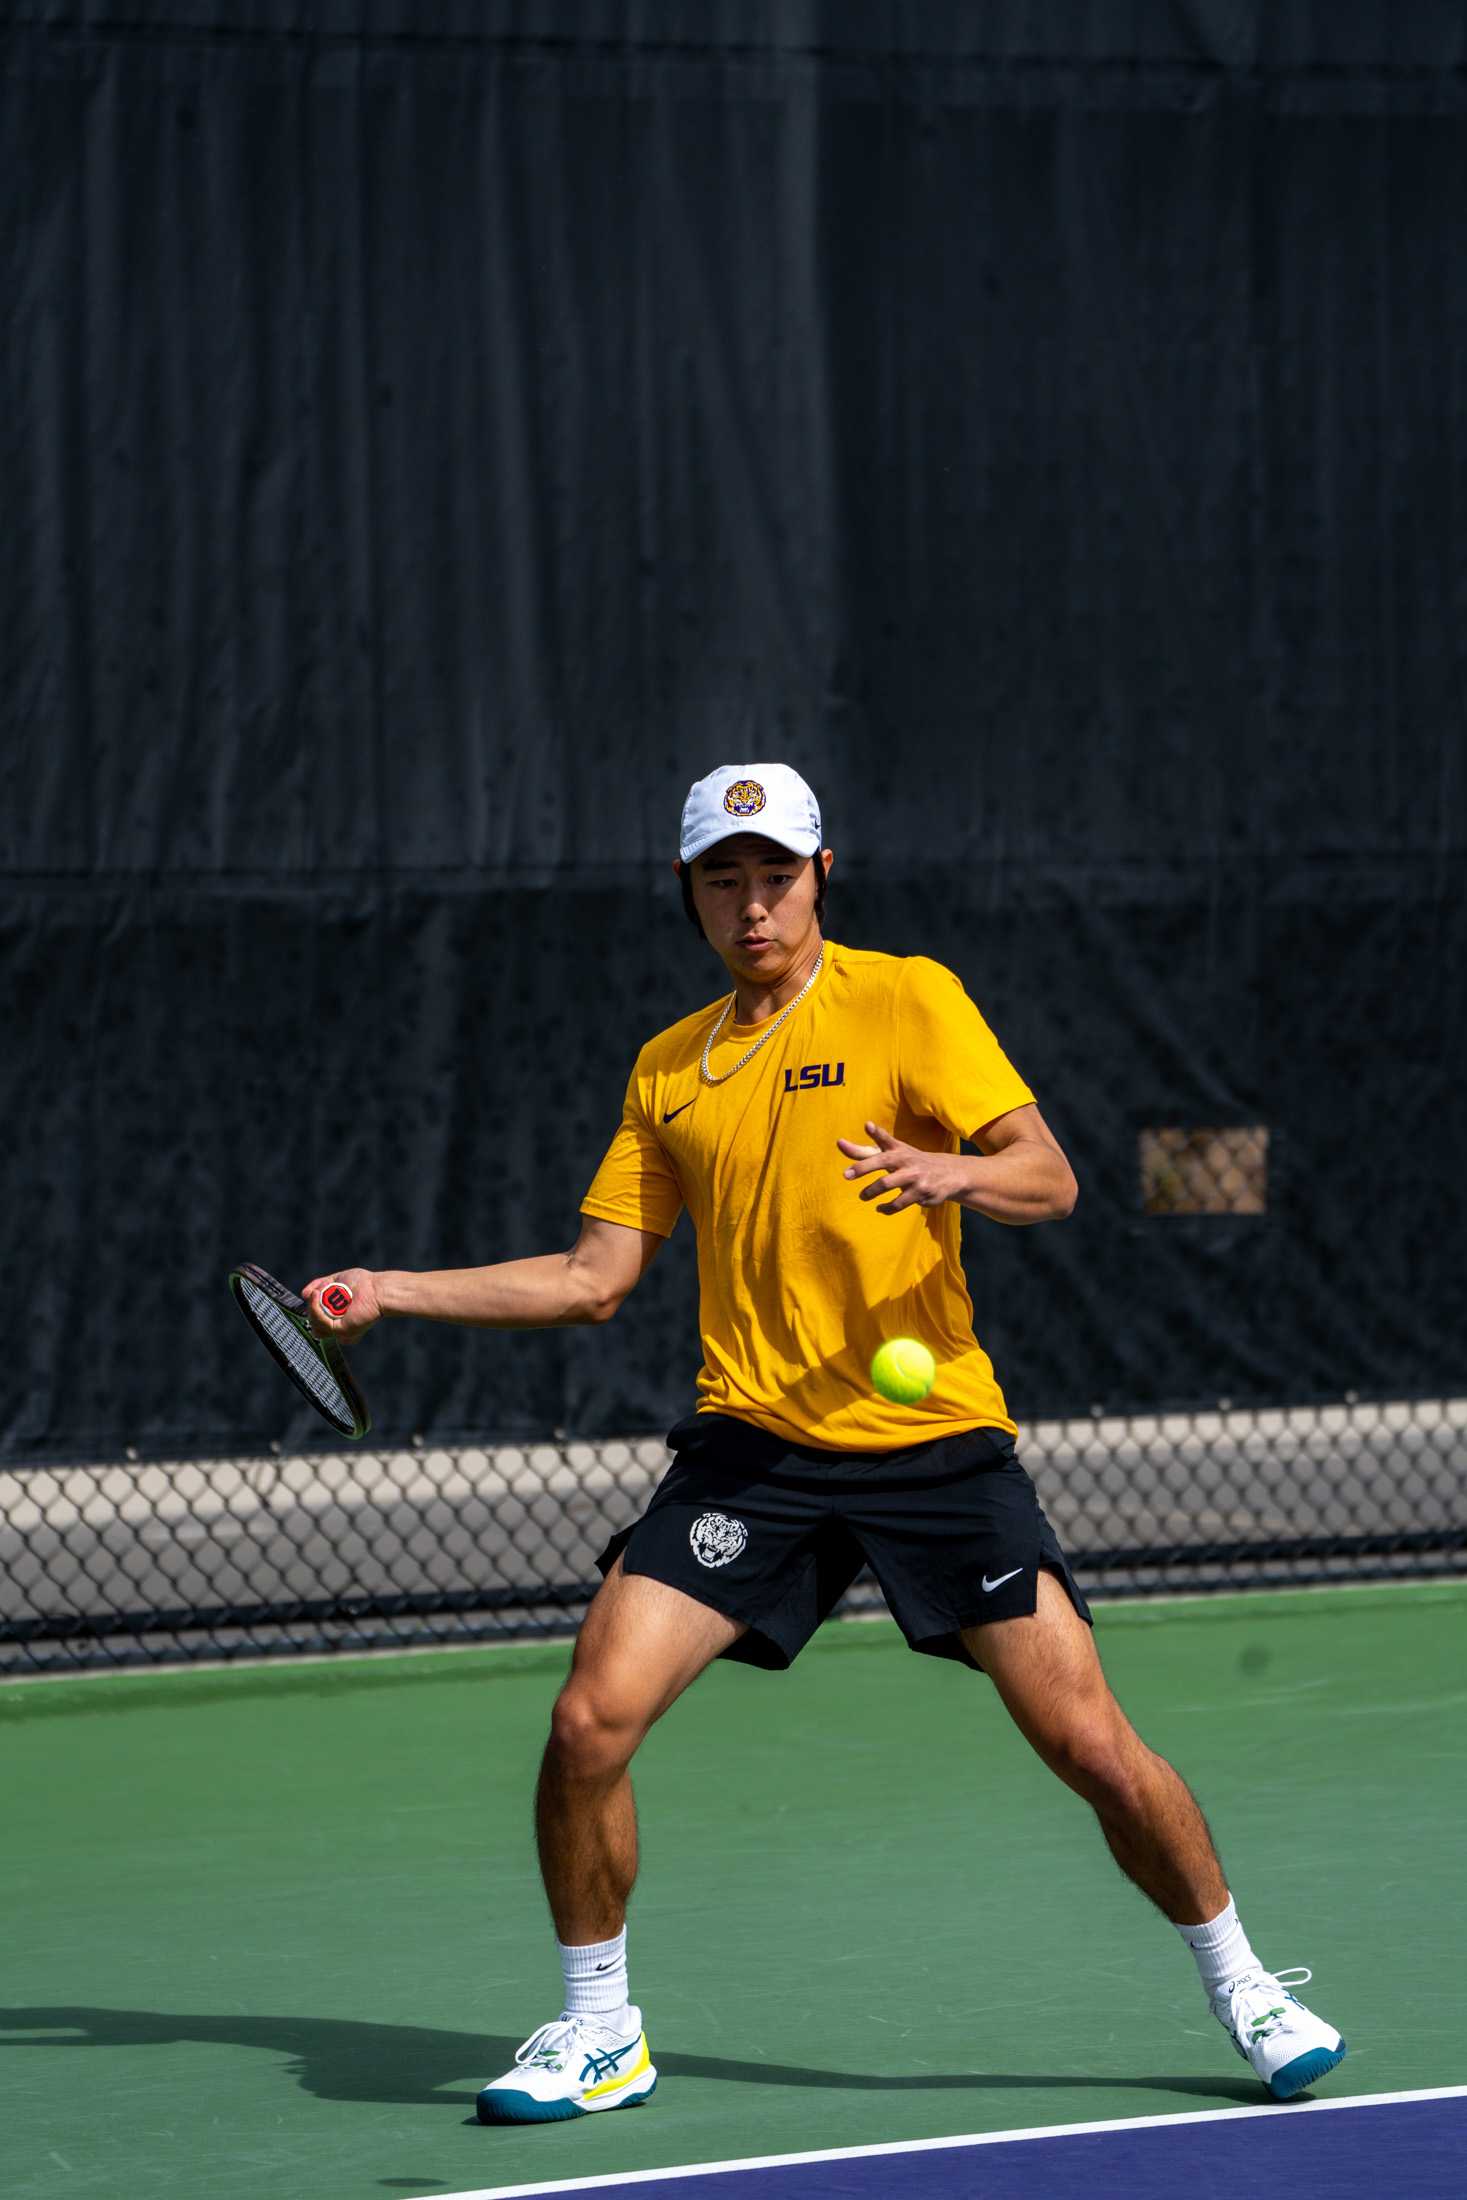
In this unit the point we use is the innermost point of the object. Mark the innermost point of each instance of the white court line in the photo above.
(933, 2146)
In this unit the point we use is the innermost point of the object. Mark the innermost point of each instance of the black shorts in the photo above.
(773, 1534)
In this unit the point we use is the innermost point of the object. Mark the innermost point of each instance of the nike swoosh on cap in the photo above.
(990, 1586)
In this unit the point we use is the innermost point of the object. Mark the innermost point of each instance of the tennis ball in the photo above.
(903, 1370)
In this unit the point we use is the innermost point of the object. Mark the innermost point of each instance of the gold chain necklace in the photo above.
(788, 1010)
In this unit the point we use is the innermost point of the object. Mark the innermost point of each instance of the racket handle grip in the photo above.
(335, 1299)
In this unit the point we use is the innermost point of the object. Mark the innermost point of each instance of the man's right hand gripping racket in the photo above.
(315, 1364)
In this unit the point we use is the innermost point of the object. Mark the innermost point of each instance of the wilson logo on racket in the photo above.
(316, 1364)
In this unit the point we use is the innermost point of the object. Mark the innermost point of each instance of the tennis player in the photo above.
(812, 1122)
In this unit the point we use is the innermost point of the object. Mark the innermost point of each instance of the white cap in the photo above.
(768, 799)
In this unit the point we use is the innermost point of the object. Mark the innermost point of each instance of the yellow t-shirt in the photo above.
(800, 1279)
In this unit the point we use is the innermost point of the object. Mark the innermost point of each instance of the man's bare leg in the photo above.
(1048, 1673)
(641, 1645)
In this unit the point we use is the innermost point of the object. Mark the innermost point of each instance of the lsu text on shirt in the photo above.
(800, 1279)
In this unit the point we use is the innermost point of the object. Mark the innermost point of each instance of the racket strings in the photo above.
(299, 1350)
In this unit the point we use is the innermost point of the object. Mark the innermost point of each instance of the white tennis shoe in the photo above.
(572, 2067)
(1287, 2045)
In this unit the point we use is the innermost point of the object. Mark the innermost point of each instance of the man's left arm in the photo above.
(1020, 1175)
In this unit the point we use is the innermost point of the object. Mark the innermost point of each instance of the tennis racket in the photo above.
(316, 1365)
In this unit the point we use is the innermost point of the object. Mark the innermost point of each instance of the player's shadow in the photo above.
(339, 2059)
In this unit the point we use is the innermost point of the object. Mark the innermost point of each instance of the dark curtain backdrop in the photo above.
(432, 435)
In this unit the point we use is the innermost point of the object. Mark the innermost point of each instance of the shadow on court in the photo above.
(340, 2060)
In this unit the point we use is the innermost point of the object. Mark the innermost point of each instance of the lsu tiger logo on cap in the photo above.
(745, 798)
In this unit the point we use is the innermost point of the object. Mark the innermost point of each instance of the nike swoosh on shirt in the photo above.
(990, 1586)
(669, 1113)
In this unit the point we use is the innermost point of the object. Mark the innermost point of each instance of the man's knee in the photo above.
(591, 1736)
(1098, 1754)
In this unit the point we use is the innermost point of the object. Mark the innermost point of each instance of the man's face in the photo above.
(756, 904)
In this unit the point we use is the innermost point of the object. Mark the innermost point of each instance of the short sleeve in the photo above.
(636, 1184)
(951, 1065)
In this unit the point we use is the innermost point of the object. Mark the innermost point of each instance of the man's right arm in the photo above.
(547, 1291)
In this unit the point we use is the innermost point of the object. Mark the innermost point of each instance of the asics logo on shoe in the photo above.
(999, 1580)
(602, 2066)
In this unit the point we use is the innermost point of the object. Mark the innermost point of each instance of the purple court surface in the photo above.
(1410, 2145)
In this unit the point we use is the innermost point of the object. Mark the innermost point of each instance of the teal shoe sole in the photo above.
(495, 2105)
(1304, 2070)
(499, 2104)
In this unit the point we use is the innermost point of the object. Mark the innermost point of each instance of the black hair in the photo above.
(685, 880)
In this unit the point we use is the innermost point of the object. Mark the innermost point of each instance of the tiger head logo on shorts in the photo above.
(716, 1539)
(744, 798)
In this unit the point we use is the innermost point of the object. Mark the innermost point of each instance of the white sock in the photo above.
(596, 1981)
(1221, 1948)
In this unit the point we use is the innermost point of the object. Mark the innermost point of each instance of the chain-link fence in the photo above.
(136, 1563)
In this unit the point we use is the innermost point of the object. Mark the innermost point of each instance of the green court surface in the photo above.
(268, 1930)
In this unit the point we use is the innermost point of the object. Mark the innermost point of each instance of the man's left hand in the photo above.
(918, 1178)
